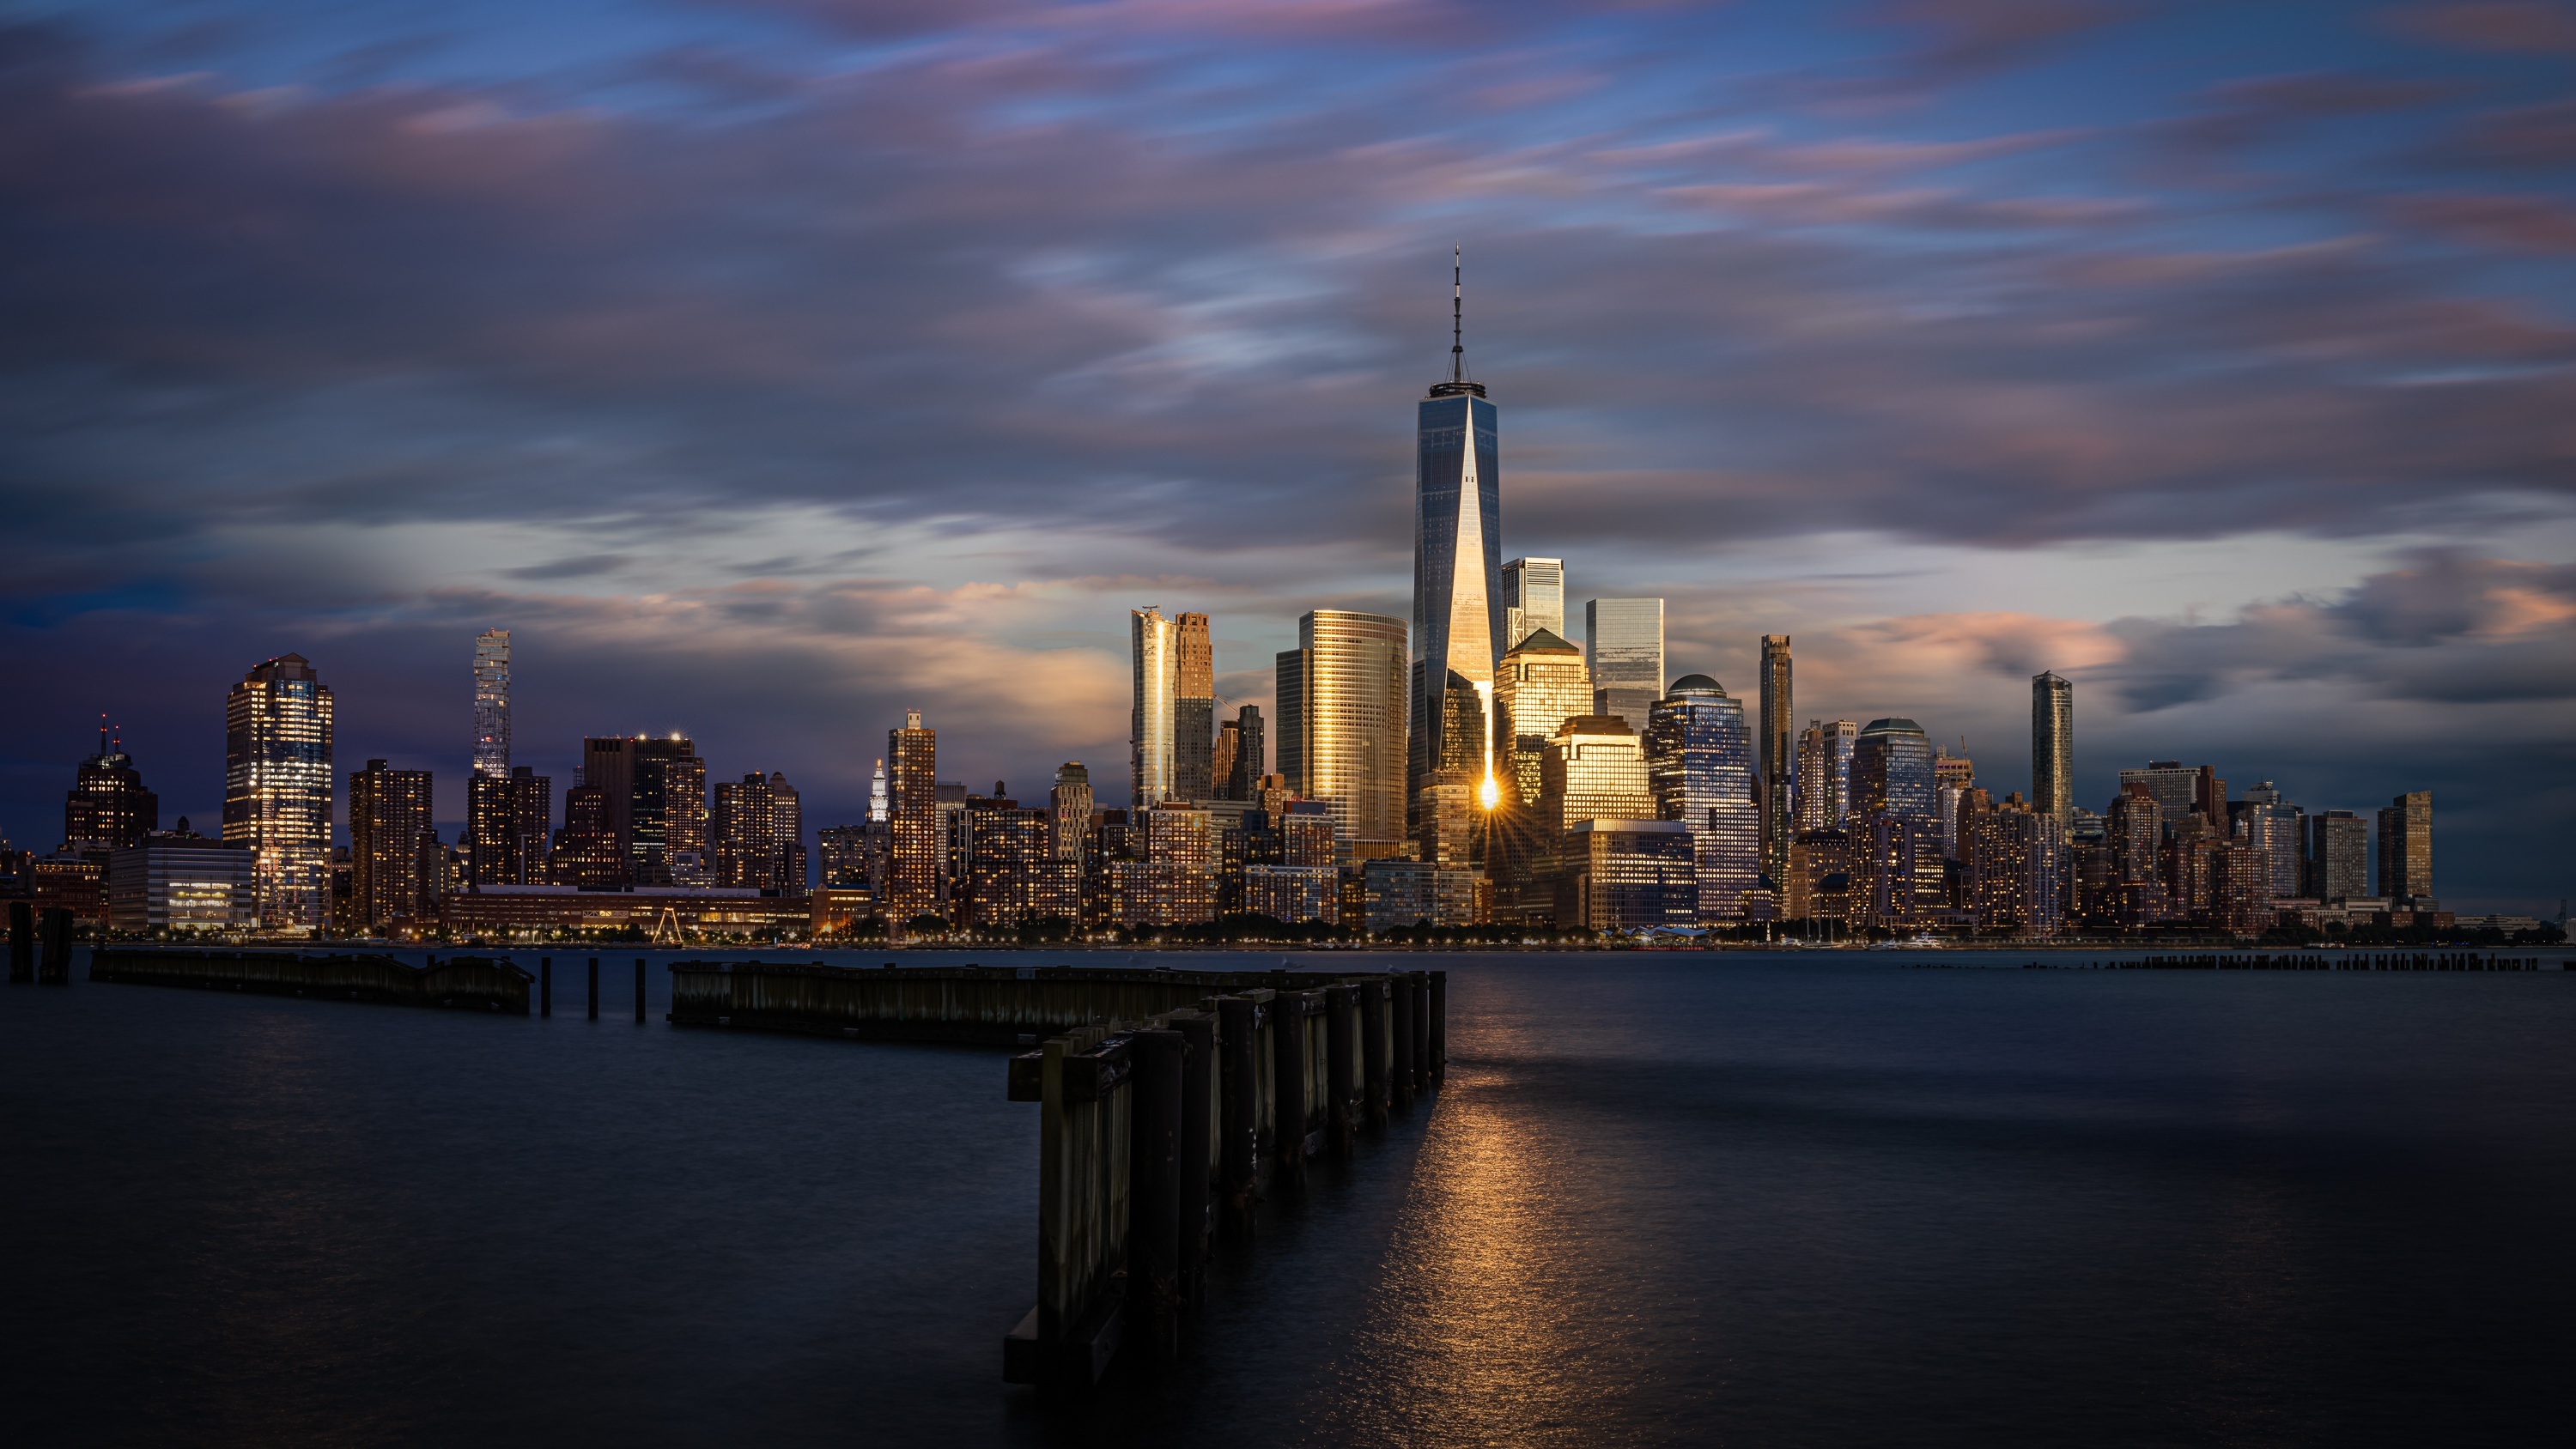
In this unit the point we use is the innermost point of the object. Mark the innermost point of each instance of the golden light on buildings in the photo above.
(1490, 793)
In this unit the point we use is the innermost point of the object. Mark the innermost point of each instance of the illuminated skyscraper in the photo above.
(1699, 763)
(277, 789)
(2052, 747)
(1540, 685)
(2406, 847)
(1193, 709)
(1823, 794)
(394, 860)
(1457, 561)
(492, 703)
(1341, 701)
(1070, 804)
(756, 835)
(2272, 825)
(2337, 866)
(1892, 772)
(1778, 758)
(656, 794)
(1250, 760)
(1150, 720)
(1624, 639)
(506, 823)
(920, 857)
(878, 808)
(1533, 599)
(107, 807)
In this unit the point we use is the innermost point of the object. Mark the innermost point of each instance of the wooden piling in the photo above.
(545, 986)
(1439, 1026)
(639, 991)
(1199, 1085)
(1239, 1024)
(1288, 1052)
(22, 941)
(1419, 984)
(1399, 1038)
(1373, 1052)
(54, 934)
(1341, 1068)
(1154, 1195)
(594, 988)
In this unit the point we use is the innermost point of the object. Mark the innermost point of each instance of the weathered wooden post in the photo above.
(639, 991)
(545, 986)
(594, 988)
(1373, 1051)
(1341, 1073)
(1198, 1137)
(1239, 1141)
(1288, 1086)
(1154, 1194)
(54, 966)
(22, 940)
(1399, 1074)
(1439, 1026)
(1420, 986)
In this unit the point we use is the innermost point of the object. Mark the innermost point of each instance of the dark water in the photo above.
(1664, 1199)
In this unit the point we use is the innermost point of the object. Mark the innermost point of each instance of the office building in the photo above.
(919, 866)
(2271, 824)
(1953, 778)
(492, 703)
(2406, 848)
(1533, 599)
(1247, 758)
(2177, 789)
(2052, 746)
(1150, 727)
(1457, 567)
(107, 807)
(1397, 892)
(277, 790)
(1699, 765)
(757, 831)
(1891, 772)
(1821, 875)
(507, 820)
(1823, 791)
(656, 795)
(1777, 757)
(1069, 805)
(181, 882)
(395, 862)
(1539, 685)
(1341, 703)
(588, 854)
(1628, 875)
(1193, 709)
(1624, 639)
(1594, 768)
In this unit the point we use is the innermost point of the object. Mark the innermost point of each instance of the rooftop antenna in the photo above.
(1457, 313)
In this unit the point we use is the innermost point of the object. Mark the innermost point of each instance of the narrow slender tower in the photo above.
(1779, 759)
(2052, 747)
(1457, 568)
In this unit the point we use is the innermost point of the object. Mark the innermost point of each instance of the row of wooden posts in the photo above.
(546, 987)
(40, 943)
(1156, 1134)
(2339, 961)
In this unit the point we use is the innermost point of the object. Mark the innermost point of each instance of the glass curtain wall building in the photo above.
(1457, 568)
(1778, 759)
(1149, 721)
(2052, 747)
(1891, 772)
(1533, 599)
(1341, 703)
(277, 790)
(1699, 762)
(1626, 642)
(1193, 709)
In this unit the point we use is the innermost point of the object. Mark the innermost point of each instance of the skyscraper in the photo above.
(1699, 763)
(756, 832)
(1251, 759)
(1625, 640)
(920, 856)
(656, 791)
(506, 823)
(1541, 683)
(1779, 761)
(2272, 825)
(1457, 559)
(1070, 804)
(393, 850)
(1193, 709)
(1150, 722)
(1341, 703)
(277, 789)
(1891, 772)
(2052, 747)
(2406, 847)
(2177, 788)
(1823, 794)
(2337, 866)
(1533, 599)
(107, 807)
(492, 703)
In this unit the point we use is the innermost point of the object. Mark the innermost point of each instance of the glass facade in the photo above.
(1625, 640)
(1776, 757)
(2406, 847)
(1628, 875)
(1533, 599)
(492, 703)
(1193, 709)
(1341, 702)
(1891, 773)
(1824, 774)
(1699, 763)
(277, 790)
(1457, 561)
(1149, 727)
(2052, 747)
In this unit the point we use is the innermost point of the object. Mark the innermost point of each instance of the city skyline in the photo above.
(2108, 395)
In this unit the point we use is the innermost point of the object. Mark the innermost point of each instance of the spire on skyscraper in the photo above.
(1457, 313)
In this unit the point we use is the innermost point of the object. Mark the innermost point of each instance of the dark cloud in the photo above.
(2493, 25)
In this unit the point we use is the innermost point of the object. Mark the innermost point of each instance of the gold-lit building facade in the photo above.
(1341, 704)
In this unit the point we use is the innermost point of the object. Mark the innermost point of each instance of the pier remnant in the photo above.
(54, 938)
(463, 983)
(22, 941)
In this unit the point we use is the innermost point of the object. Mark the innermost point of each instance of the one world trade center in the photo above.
(1457, 593)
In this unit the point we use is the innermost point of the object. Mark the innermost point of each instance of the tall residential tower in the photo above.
(277, 790)
(1779, 758)
(2052, 747)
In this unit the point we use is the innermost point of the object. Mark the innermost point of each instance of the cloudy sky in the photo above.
(771, 367)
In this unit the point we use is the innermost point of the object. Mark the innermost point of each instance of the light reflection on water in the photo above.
(1662, 1200)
